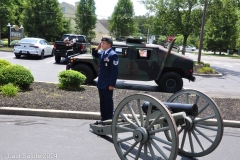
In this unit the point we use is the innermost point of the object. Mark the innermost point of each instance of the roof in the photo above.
(70, 5)
(100, 28)
(137, 43)
(104, 22)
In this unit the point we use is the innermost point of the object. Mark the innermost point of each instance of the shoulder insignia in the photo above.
(115, 63)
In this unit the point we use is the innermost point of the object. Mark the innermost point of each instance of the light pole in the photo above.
(202, 32)
(9, 32)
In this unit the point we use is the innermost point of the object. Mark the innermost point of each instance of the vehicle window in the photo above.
(28, 41)
(121, 52)
(143, 53)
(42, 42)
(81, 39)
(46, 42)
(64, 36)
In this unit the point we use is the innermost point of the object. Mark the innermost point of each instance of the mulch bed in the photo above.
(48, 96)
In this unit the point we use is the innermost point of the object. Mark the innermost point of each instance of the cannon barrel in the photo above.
(189, 109)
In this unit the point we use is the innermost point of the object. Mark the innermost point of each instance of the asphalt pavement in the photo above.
(30, 137)
(89, 115)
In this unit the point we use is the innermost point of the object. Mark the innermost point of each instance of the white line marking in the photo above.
(228, 66)
(50, 61)
(7, 57)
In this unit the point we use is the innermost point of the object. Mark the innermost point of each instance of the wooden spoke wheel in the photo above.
(202, 133)
(137, 135)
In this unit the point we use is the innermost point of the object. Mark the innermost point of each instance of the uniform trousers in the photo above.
(106, 103)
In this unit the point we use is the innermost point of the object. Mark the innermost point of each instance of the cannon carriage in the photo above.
(143, 127)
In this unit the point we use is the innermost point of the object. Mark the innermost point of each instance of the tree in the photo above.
(86, 18)
(173, 17)
(17, 9)
(221, 27)
(122, 23)
(144, 26)
(42, 18)
(5, 15)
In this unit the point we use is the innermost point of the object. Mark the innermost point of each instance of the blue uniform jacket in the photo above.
(108, 69)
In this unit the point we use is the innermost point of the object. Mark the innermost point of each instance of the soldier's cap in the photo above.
(109, 40)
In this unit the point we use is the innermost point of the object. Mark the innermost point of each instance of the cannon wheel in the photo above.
(205, 132)
(137, 135)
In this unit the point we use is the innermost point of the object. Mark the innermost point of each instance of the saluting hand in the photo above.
(99, 46)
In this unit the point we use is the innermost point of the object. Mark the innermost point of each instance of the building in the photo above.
(101, 30)
(68, 11)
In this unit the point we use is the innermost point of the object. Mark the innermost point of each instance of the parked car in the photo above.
(33, 47)
(188, 48)
(62, 50)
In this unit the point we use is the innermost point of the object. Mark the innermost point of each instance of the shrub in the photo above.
(13, 42)
(9, 90)
(16, 74)
(1, 43)
(4, 63)
(70, 79)
(206, 65)
(201, 63)
(206, 70)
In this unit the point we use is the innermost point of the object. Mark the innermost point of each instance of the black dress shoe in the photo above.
(98, 122)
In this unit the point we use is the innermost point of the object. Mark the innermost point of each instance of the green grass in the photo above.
(203, 68)
(9, 90)
(6, 49)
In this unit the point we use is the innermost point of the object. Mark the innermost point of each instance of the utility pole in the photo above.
(202, 33)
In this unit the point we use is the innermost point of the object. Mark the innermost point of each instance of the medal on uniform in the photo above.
(106, 64)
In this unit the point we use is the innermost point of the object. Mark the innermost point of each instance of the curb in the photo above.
(82, 115)
(49, 113)
(206, 75)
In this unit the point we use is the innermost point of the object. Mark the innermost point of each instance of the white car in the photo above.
(33, 47)
(188, 48)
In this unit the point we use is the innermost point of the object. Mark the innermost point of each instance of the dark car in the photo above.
(63, 50)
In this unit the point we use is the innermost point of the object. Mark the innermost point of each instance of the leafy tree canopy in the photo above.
(86, 18)
(122, 23)
(221, 27)
(42, 18)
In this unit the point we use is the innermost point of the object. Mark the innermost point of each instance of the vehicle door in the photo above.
(124, 61)
(144, 65)
(43, 47)
(48, 46)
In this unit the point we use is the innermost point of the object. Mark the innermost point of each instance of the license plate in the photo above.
(24, 51)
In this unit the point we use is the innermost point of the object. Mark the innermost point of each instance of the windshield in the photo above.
(27, 40)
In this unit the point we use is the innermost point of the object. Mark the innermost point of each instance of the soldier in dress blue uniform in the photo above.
(107, 76)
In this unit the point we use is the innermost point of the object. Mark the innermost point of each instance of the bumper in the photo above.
(192, 78)
(63, 53)
(68, 66)
(28, 52)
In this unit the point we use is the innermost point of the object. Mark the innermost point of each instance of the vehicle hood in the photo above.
(84, 56)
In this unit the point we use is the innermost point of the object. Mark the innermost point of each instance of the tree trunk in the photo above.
(184, 44)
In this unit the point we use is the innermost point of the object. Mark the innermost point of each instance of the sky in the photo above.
(104, 8)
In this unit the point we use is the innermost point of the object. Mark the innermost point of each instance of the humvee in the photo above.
(143, 62)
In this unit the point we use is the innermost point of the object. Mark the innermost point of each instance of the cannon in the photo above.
(143, 127)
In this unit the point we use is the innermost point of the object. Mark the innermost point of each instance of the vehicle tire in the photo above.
(42, 54)
(170, 82)
(17, 55)
(57, 59)
(86, 70)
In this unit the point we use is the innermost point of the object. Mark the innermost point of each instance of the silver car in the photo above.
(188, 48)
(33, 47)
